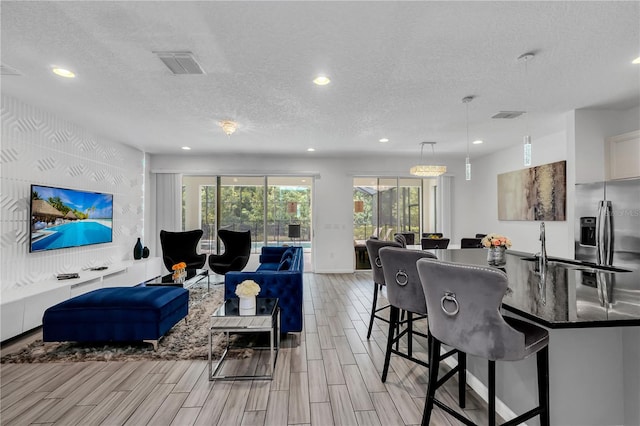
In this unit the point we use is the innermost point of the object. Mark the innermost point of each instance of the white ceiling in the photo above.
(399, 70)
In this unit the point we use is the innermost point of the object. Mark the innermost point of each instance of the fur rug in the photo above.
(184, 341)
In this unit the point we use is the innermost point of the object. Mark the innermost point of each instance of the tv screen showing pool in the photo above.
(62, 218)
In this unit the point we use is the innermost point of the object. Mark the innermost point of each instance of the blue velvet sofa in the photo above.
(279, 275)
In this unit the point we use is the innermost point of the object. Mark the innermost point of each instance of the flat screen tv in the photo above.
(62, 218)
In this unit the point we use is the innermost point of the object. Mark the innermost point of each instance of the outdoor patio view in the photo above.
(385, 206)
(281, 214)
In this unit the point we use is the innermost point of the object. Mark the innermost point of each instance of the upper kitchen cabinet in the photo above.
(622, 156)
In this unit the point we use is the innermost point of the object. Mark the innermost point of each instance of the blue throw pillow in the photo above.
(284, 265)
(288, 254)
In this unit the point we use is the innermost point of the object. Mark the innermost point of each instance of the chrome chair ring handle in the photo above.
(402, 278)
(450, 297)
(377, 262)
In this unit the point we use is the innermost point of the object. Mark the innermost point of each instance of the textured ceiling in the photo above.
(399, 70)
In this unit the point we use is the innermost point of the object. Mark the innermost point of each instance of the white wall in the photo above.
(40, 148)
(477, 207)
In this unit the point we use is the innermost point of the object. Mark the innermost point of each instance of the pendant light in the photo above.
(427, 170)
(526, 57)
(467, 162)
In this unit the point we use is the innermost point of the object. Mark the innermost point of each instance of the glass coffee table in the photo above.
(227, 319)
(193, 277)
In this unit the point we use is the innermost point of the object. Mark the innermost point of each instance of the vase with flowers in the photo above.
(179, 272)
(497, 245)
(247, 291)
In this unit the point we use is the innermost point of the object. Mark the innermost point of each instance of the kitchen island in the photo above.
(593, 317)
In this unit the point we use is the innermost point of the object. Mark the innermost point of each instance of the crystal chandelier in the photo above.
(427, 169)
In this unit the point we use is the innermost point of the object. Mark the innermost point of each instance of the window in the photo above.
(268, 206)
(385, 206)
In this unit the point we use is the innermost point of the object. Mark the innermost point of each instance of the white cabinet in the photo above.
(35, 306)
(622, 156)
(22, 308)
(12, 316)
(85, 287)
(129, 277)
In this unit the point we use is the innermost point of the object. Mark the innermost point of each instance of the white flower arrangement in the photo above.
(247, 288)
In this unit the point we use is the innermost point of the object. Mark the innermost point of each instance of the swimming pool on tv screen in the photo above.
(74, 234)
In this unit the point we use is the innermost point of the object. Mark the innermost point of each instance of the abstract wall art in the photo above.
(536, 193)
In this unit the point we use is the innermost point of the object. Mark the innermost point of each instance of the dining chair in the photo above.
(404, 291)
(463, 302)
(410, 237)
(471, 243)
(434, 243)
(432, 235)
(400, 239)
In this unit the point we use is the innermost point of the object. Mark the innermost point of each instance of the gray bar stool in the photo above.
(373, 247)
(404, 291)
(463, 302)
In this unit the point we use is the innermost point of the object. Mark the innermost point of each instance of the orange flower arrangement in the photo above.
(179, 271)
(179, 266)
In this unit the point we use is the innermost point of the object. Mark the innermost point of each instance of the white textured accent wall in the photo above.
(37, 147)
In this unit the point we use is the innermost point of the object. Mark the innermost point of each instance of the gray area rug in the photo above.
(184, 341)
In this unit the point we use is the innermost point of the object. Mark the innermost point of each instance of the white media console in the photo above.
(21, 309)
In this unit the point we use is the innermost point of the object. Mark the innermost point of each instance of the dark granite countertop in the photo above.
(569, 294)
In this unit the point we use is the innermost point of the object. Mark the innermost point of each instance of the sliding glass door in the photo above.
(241, 206)
(385, 206)
(289, 210)
(276, 209)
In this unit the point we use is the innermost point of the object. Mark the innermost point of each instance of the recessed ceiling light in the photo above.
(311, 149)
(478, 142)
(636, 61)
(322, 80)
(384, 140)
(304, 180)
(186, 148)
(63, 72)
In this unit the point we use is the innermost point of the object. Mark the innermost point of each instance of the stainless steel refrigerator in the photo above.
(608, 234)
(608, 223)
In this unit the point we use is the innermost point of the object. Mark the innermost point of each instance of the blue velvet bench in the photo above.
(118, 314)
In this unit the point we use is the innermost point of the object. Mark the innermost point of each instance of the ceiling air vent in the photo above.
(6, 70)
(508, 114)
(180, 63)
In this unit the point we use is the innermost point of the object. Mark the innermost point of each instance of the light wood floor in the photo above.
(328, 374)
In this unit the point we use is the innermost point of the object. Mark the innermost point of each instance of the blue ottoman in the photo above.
(117, 314)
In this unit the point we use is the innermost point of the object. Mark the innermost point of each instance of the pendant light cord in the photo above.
(467, 105)
(527, 93)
